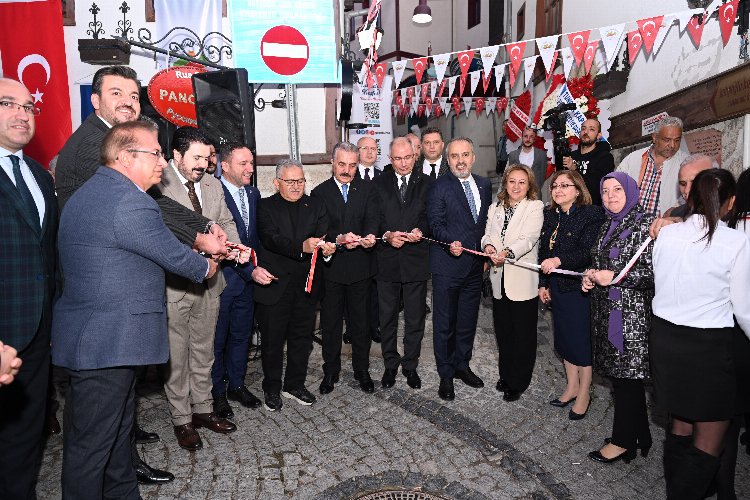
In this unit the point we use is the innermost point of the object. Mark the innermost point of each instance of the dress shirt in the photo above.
(341, 189)
(474, 191)
(235, 192)
(702, 286)
(362, 168)
(427, 166)
(36, 192)
(526, 158)
(196, 184)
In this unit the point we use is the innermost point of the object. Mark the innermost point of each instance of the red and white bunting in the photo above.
(727, 15)
(479, 103)
(410, 95)
(474, 75)
(420, 110)
(512, 74)
(611, 37)
(464, 61)
(684, 17)
(528, 68)
(444, 104)
(397, 97)
(441, 64)
(467, 105)
(499, 75)
(547, 48)
(451, 85)
(414, 109)
(635, 41)
(420, 65)
(486, 81)
(666, 25)
(441, 89)
(695, 29)
(438, 111)
(398, 72)
(380, 71)
(417, 94)
(425, 90)
(488, 55)
(461, 84)
(578, 42)
(501, 104)
(433, 89)
(649, 29)
(590, 54)
(491, 103)
(567, 58)
(428, 109)
(456, 104)
(515, 54)
(552, 66)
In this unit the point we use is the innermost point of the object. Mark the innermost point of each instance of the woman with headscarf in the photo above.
(621, 314)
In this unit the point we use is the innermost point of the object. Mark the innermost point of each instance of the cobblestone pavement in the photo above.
(349, 443)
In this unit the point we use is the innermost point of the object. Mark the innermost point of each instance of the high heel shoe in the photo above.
(625, 456)
(561, 404)
(578, 416)
(644, 448)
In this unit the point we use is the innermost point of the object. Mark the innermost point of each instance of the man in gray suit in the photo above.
(527, 154)
(111, 317)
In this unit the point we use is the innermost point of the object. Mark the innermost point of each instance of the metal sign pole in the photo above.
(291, 115)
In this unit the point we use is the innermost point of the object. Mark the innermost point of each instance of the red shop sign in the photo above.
(171, 94)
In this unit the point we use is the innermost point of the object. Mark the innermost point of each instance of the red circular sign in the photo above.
(284, 50)
(171, 94)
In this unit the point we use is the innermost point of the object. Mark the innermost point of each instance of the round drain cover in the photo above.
(400, 495)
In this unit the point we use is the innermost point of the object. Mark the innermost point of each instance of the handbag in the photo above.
(486, 284)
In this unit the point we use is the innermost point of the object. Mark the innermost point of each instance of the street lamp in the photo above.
(422, 13)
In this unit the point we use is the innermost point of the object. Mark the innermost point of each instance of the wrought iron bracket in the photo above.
(213, 47)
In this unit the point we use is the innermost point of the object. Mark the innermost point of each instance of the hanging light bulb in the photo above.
(422, 13)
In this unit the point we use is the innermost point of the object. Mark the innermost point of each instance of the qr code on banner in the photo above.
(372, 111)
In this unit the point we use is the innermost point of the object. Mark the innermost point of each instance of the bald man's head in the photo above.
(691, 167)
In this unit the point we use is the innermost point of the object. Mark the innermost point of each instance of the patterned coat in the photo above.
(632, 295)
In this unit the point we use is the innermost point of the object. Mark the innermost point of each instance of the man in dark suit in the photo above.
(111, 316)
(352, 224)
(28, 262)
(457, 213)
(291, 228)
(402, 261)
(527, 154)
(432, 161)
(236, 308)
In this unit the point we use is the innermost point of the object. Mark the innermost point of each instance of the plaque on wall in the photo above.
(706, 141)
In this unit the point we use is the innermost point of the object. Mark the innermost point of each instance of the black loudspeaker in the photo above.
(224, 101)
(166, 128)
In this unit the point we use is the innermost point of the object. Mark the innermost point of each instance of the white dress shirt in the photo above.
(702, 286)
(235, 192)
(427, 166)
(28, 177)
(197, 185)
(372, 168)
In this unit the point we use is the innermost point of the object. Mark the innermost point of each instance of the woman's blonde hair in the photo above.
(502, 194)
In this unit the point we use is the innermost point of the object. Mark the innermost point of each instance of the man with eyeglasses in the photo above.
(292, 227)
(111, 317)
(28, 255)
(457, 213)
(403, 261)
(432, 161)
(192, 308)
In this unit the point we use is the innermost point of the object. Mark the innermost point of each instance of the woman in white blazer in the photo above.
(513, 227)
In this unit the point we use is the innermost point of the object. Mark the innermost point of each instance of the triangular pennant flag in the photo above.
(684, 17)
(474, 81)
(414, 108)
(441, 89)
(666, 25)
(499, 75)
(488, 55)
(419, 64)
(467, 105)
(590, 54)
(438, 111)
(380, 71)
(451, 85)
(567, 58)
(456, 104)
(410, 95)
(441, 64)
(515, 54)
(443, 104)
(479, 103)
(464, 60)
(501, 104)
(547, 49)
(578, 42)
(425, 90)
(649, 29)
(398, 99)
(528, 67)
(491, 103)
(512, 74)
(695, 29)
(398, 72)
(486, 81)
(635, 41)
(713, 7)
(370, 76)
(433, 89)
(427, 111)
(611, 39)
(429, 104)
(404, 95)
(461, 85)
(552, 66)
(420, 109)
(727, 15)
(418, 94)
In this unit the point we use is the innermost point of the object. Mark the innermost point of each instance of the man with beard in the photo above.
(592, 159)
(457, 213)
(211, 168)
(432, 162)
(527, 154)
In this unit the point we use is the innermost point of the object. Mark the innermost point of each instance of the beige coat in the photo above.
(522, 237)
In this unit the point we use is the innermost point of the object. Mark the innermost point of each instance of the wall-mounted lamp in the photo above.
(422, 13)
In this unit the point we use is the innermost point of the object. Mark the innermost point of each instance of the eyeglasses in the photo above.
(368, 148)
(560, 186)
(292, 182)
(158, 153)
(399, 159)
(14, 106)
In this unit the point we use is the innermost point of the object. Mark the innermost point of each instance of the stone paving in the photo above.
(349, 444)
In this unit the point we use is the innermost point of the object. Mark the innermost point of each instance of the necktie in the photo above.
(433, 174)
(367, 174)
(402, 189)
(470, 199)
(193, 197)
(345, 191)
(23, 189)
(243, 209)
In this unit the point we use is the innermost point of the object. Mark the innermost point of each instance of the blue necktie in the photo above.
(243, 209)
(345, 191)
(470, 199)
(23, 188)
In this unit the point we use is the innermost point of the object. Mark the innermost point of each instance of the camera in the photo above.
(554, 121)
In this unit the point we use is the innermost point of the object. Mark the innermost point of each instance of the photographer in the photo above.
(593, 159)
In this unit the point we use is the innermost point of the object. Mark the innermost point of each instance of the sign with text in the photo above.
(648, 125)
(285, 41)
(171, 94)
(373, 107)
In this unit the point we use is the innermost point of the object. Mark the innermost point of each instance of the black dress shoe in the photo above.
(469, 378)
(221, 406)
(143, 437)
(365, 381)
(412, 378)
(511, 395)
(328, 382)
(446, 391)
(148, 475)
(273, 401)
(625, 456)
(501, 385)
(644, 447)
(561, 404)
(347, 338)
(389, 378)
(244, 397)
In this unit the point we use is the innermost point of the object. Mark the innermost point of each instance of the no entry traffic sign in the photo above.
(284, 50)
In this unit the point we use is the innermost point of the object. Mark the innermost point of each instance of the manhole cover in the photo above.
(400, 495)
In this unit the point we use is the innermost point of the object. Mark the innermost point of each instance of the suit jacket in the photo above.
(282, 229)
(359, 215)
(442, 168)
(28, 259)
(114, 249)
(450, 219)
(376, 172)
(215, 208)
(80, 158)
(410, 262)
(522, 237)
(240, 276)
(539, 166)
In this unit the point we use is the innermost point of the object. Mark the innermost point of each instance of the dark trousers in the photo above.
(515, 332)
(372, 311)
(414, 294)
(356, 296)
(292, 321)
(234, 327)
(630, 426)
(455, 308)
(22, 414)
(98, 425)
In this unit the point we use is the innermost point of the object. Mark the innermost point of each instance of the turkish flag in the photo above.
(578, 43)
(727, 15)
(695, 29)
(635, 41)
(35, 56)
(464, 61)
(515, 54)
(479, 102)
(419, 64)
(649, 28)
